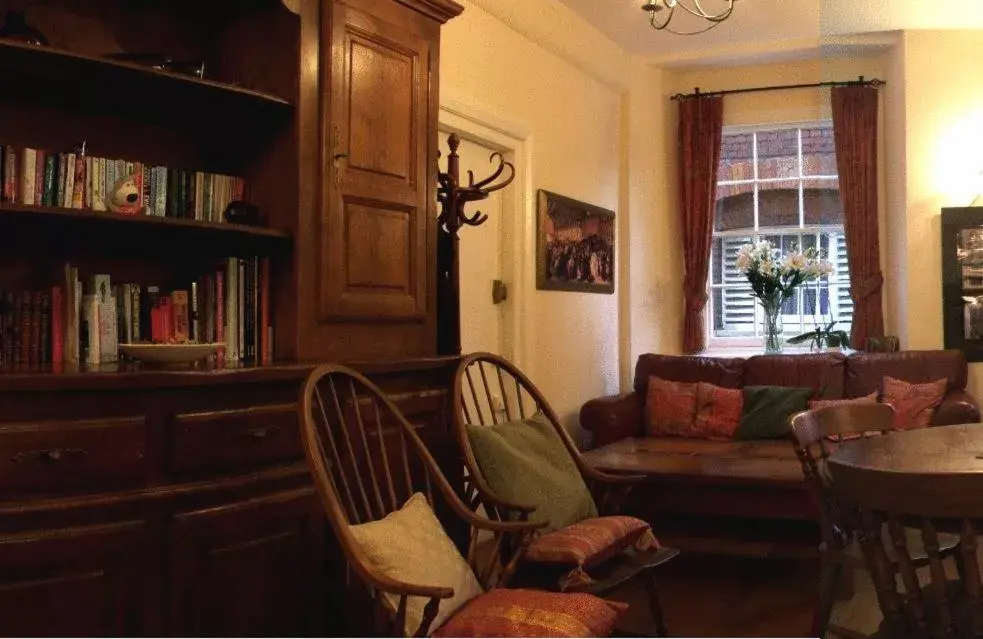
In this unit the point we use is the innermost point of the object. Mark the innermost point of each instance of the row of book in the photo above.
(35, 177)
(79, 322)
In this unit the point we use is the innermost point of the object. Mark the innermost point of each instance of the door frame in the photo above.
(514, 141)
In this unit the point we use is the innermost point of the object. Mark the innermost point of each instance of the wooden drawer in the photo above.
(228, 439)
(71, 456)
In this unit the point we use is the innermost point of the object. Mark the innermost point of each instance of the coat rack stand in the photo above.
(452, 197)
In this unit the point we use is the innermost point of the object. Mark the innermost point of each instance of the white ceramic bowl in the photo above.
(169, 353)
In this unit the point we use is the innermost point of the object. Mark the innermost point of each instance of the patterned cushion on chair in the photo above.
(533, 613)
(588, 543)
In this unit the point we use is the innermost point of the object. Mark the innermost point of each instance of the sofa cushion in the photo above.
(767, 410)
(914, 404)
(822, 372)
(670, 408)
(726, 372)
(865, 372)
(718, 411)
(825, 403)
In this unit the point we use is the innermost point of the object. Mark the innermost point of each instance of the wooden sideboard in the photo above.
(160, 503)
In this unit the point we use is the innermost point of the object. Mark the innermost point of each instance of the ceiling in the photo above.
(772, 24)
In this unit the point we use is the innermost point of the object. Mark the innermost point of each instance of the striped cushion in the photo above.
(588, 543)
(533, 613)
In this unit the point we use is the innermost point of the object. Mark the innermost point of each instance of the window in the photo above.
(777, 184)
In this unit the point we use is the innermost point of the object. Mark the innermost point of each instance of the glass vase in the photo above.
(771, 325)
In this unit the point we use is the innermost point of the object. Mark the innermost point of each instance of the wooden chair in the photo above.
(490, 390)
(922, 486)
(816, 434)
(366, 461)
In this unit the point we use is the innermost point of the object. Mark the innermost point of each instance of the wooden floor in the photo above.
(722, 597)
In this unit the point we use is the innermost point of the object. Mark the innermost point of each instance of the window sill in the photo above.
(749, 351)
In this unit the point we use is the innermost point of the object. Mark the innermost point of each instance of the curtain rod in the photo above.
(875, 83)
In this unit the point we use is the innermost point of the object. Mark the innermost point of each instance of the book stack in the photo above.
(35, 177)
(76, 322)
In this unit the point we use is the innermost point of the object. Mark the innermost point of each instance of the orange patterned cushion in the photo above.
(718, 411)
(670, 407)
(588, 543)
(914, 404)
(823, 403)
(533, 613)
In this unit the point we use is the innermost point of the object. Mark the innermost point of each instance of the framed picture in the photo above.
(574, 245)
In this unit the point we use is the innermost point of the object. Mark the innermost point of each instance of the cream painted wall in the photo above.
(574, 121)
(943, 121)
(652, 251)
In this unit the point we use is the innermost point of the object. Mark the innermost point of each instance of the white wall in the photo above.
(942, 142)
(574, 124)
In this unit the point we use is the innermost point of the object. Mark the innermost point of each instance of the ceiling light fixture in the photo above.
(661, 13)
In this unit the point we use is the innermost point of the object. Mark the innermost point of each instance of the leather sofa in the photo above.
(742, 487)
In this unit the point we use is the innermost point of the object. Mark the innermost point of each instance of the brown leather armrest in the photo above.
(612, 418)
(957, 407)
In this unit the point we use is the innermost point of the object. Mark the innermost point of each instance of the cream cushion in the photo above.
(410, 545)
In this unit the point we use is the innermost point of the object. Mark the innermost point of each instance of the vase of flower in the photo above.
(774, 279)
(771, 324)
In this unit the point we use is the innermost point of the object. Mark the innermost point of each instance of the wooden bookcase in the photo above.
(167, 502)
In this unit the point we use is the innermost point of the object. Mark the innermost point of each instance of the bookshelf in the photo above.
(50, 71)
(141, 233)
(178, 501)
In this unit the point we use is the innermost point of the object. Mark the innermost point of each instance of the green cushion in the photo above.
(767, 410)
(525, 462)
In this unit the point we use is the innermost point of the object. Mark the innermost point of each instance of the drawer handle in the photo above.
(261, 432)
(48, 455)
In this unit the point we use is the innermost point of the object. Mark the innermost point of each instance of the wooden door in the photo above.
(86, 581)
(248, 568)
(375, 253)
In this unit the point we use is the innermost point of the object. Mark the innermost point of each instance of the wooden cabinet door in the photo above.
(376, 209)
(248, 568)
(85, 581)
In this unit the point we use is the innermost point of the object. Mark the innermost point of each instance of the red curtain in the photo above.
(855, 135)
(700, 128)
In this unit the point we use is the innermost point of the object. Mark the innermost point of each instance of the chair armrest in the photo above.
(612, 418)
(957, 407)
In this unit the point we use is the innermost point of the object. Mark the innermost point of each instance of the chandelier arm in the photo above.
(660, 25)
(700, 12)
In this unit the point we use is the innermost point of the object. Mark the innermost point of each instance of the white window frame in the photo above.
(834, 283)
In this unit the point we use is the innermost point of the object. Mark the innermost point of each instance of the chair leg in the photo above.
(655, 606)
(957, 557)
(829, 578)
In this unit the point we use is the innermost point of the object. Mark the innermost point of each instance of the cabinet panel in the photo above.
(247, 568)
(374, 223)
(85, 581)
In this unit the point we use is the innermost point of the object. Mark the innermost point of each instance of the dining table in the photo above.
(929, 472)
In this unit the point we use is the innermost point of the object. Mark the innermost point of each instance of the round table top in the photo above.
(923, 451)
(931, 472)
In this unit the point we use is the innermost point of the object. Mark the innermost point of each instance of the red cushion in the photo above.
(718, 412)
(590, 541)
(914, 404)
(533, 613)
(670, 407)
(823, 403)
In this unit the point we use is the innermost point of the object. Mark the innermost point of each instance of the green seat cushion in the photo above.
(526, 463)
(767, 410)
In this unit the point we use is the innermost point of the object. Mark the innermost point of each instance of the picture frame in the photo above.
(575, 245)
